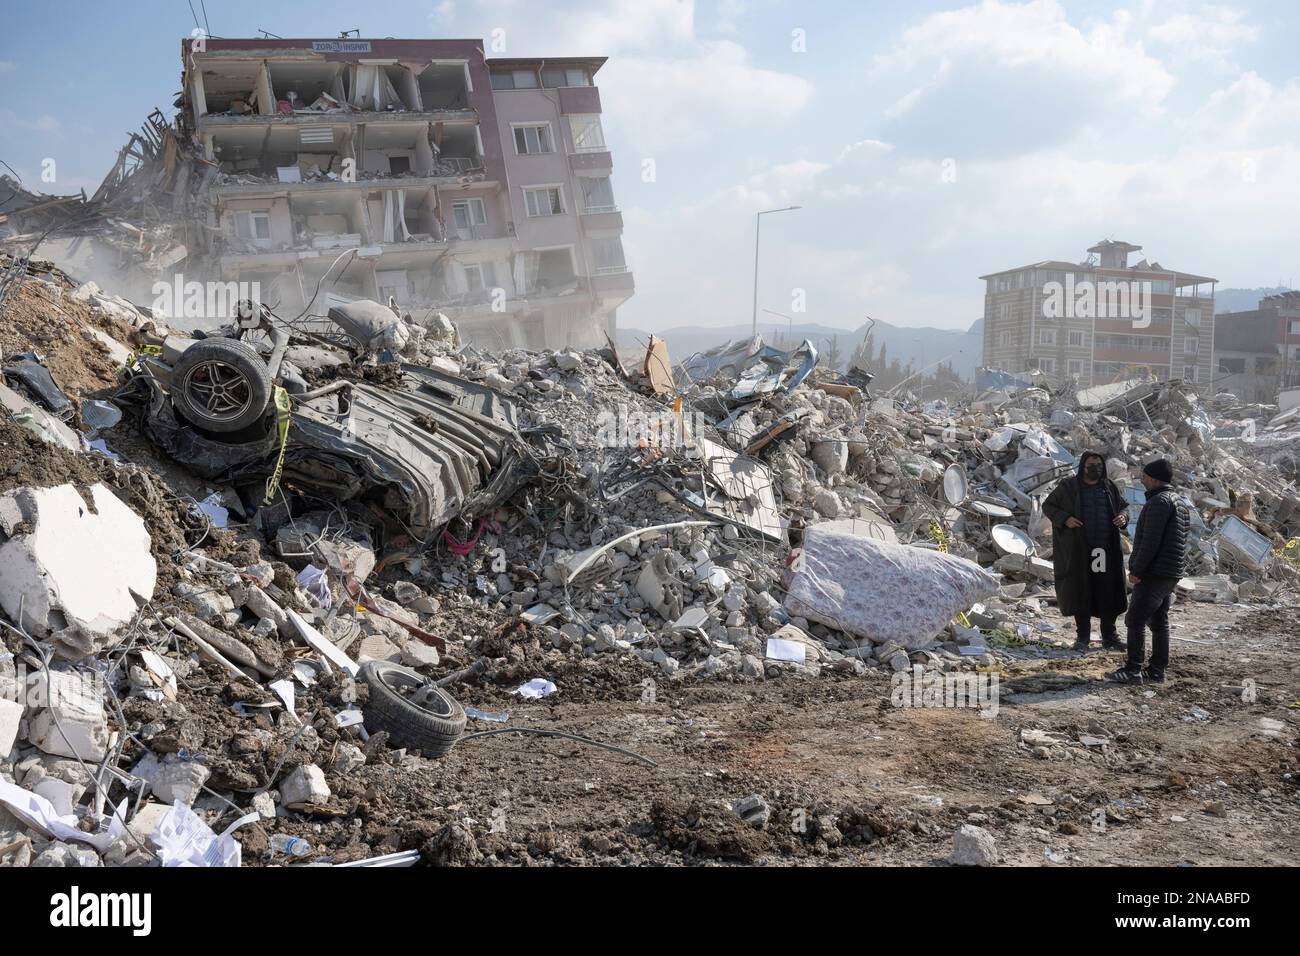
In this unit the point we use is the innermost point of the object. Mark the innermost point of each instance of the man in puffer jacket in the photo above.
(1157, 562)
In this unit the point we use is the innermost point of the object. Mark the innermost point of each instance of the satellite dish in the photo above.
(1011, 540)
(955, 486)
(989, 510)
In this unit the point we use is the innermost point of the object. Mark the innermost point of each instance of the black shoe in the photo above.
(1155, 675)
(1113, 644)
(1125, 676)
(1082, 646)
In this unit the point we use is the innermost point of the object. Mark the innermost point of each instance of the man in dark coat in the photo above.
(1087, 510)
(1158, 560)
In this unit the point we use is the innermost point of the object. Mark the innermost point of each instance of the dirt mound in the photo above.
(42, 316)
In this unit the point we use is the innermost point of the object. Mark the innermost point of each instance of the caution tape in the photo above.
(282, 425)
(936, 530)
(135, 355)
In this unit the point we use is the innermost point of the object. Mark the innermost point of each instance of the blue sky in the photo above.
(928, 143)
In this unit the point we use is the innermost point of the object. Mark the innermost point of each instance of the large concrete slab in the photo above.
(72, 570)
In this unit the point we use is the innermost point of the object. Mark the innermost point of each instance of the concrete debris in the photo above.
(973, 846)
(538, 526)
(47, 535)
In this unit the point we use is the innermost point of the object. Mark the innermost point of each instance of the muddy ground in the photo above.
(1188, 774)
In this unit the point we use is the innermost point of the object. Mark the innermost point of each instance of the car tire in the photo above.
(221, 385)
(432, 728)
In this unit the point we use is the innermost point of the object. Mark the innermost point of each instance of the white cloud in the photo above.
(662, 103)
(1251, 110)
(1025, 64)
(1210, 35)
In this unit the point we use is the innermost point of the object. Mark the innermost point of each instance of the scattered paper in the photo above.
(779, 649)
(39, 813)
(536, 688)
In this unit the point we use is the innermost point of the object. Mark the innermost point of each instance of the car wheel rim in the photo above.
(407, 686)
(222, 392)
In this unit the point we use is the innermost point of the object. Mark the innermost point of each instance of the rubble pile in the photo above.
(238, 567)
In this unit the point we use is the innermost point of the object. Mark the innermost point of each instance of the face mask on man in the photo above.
(1093, 471)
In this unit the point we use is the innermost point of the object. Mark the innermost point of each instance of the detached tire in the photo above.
(432, 727)
(221, 385)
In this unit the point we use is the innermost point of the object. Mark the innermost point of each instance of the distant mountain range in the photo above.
(1241, 300)
(922, 347)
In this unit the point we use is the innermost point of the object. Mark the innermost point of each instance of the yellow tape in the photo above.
(936, 530)
(282, 424)
(142, 350)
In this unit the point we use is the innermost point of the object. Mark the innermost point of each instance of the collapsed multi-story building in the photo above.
(1100, 320)
(417, 171)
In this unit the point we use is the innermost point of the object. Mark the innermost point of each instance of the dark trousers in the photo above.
(1083, 627)
(1149, 604)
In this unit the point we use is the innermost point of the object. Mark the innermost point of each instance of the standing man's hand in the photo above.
(1121, 519)
(1073, 522)
(1134, 579)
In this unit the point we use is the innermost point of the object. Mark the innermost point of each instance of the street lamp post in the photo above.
(758, 226)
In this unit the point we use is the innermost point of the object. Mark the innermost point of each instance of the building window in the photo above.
(533, 139)
(1233, 366)
(1047, 366)
(1192, 317)
(1190, 373)
(588, 137)
(1295, 327)
(1077, 340)
(1004, 283)
(1075, 366)
(466, 214)
(544, 201)
(1047, 336)
(515, 80)
(1004, 340)
(608, 255)
(1191, 346)
(475, 280)
(597, 194)
(254, 227)
(556, 78)
(1005, 313)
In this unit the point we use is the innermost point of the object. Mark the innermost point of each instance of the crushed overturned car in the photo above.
(334, 417)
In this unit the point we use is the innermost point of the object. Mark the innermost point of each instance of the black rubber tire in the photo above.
(242, 393)
(410, 725)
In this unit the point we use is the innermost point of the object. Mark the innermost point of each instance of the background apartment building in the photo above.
(1097, 349)
(412, 169)
(1257, 353)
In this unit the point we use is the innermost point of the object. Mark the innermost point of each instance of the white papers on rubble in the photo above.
(779, 649)
(183, 839)
(536, 689)
(882, 591)
(37, 812)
